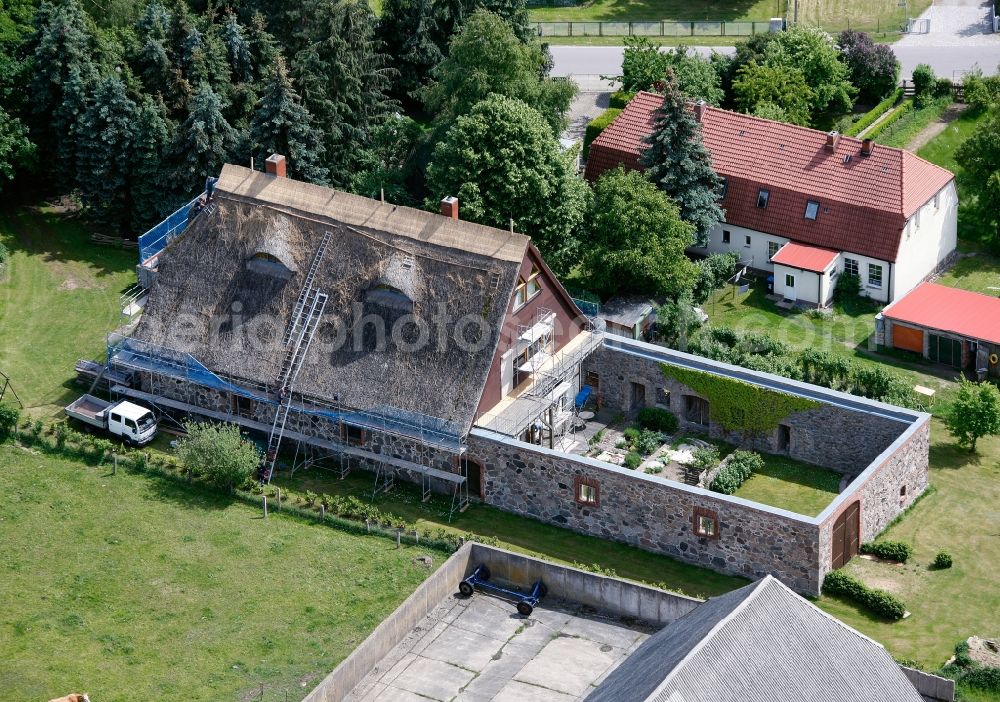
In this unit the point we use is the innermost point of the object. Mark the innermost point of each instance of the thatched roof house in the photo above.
(417, 301)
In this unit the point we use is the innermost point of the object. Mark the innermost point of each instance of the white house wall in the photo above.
(756, 255)
(922, 249)
(806, 284)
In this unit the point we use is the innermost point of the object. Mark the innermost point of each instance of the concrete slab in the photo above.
(394, 694)
(463, 648)
(613, 634)
(490, 617)
(517, 691)
(434, 679)
(570, 665)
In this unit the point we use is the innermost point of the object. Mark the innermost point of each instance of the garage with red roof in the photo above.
(947, 325)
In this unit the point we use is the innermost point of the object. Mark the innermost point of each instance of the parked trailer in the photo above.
(135, 424)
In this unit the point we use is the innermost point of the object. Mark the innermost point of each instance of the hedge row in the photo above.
(598, 125)
(741, 465)
(901, 111)
(869, 117)
(898, 551)
(620, 98)
(877, 601)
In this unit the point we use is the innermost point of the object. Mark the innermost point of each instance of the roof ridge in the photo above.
(754, 590)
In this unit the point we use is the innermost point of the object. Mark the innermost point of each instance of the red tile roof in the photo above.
(947, 309)
(864, 200)
(807, 258)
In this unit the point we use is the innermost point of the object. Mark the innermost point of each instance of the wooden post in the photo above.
(416, 537)
(114, 468)
(399, 534)
(322, 512)
(278, 492)
(265, 505)
(368, 526)
(552, 427)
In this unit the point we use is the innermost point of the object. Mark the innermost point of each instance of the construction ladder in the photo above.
(307, 289)
(316, 303)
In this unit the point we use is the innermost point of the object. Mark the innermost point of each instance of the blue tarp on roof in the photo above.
(157, 238)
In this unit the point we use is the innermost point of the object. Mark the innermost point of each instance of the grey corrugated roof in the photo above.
(760, 643)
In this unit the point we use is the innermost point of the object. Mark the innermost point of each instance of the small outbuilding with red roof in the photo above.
(954, 327)
(888, 216)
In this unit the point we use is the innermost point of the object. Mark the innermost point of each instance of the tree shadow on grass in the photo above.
(953, 457)
(61, 238)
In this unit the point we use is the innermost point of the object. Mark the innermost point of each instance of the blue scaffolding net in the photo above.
(157, 238)
(138, 355)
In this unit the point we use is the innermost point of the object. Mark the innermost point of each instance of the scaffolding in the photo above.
(156, 239)
(151, 361)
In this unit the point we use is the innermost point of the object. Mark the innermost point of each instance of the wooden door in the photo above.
(846, 535)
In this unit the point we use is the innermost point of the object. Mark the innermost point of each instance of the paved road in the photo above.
(586, 63)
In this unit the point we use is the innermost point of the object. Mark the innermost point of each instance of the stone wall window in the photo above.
(593, 380)
(587, 491)
(663, 398)
(353, 435)
(706, 523)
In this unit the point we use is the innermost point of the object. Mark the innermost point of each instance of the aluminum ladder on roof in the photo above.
(307, 287)
(316, 302)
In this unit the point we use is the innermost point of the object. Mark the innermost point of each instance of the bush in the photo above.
(631, 436)
(648, 442)
(898, 551)
(598, 125)
(982, 677)
(706, 458)
(620, 98)
(657, 419)
(877, 601)
(942, 87)
(4, 254)
(869, 117)
(981, 92)
(220, 453)
(9, 417)
(741, 465)
(923, 80)
(632, 460)
(848, 287)
(942, 560)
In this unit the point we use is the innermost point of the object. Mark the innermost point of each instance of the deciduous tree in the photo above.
(872, 68)
(974, 413)
(220, 453)
(979, 157)
(768, 89)
(636, 239)
(506, 166)
(17, 152)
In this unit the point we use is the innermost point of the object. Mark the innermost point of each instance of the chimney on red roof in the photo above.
(699, 110)
(867, 146)
(275, 165)
(832, 139)
(449, 207)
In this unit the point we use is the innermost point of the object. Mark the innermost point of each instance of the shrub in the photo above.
(220, 452)
(9, 417)
(981, 92)
(598, 125)
(706, 458)
(880, 109)
(632, 460)
(898, 551)
(877, 601)
(631, 435)
(657, 419)
(4, 254)
(923, 80)
(741, 465)
(942, 87)
(648, 442)
(620, 98)
(848, 287)
(311, 497)
(942, 560)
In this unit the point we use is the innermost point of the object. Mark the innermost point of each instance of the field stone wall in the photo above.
(832, 437)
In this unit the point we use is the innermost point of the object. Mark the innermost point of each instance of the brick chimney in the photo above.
(449, 207)
(832, 139)
(867, 146)
(275, 165)
(699, 110)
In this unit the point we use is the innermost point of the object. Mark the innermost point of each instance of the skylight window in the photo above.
(762, 197)
(812, 209)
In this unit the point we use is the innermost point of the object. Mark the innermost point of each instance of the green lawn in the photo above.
(517, 533)
(960, 517)
(900, 133)
(59, 300)
(871, 15)
(134, 587)
(789, 484)
(941, 150)
(980, 273)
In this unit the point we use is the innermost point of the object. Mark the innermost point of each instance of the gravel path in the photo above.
(932, 130)
(585, 107)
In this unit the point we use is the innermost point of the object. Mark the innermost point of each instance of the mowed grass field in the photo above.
(834, 15)
(132, 587)
(58, 301)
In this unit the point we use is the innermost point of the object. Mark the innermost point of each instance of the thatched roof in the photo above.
(216, 298)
